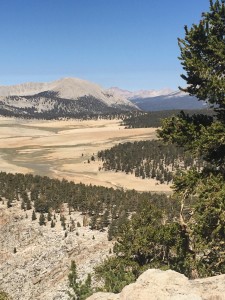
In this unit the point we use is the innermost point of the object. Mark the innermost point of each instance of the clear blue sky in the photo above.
(131, 44)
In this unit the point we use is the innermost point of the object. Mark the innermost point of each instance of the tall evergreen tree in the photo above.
(203, 56)
(34, 217)
(80, 290)
(203, 59)
(42, 219)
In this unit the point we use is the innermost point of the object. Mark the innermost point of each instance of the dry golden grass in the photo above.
(61, 149)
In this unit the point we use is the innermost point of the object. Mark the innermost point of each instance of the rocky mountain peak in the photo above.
(66, 97)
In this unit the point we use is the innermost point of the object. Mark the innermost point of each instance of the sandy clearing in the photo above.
(7, 167)
(90, 174)
(18, 131)
(33, 146)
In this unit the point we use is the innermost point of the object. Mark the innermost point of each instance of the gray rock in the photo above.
(169, 285)
(39, 269)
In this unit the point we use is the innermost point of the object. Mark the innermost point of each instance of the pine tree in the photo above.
(28, 204)
(63, 221)
(34, 217)
(49, 216)
(23, 205)
(203, 59)
(52, 224)
(80, 291)
(203, 56)
(42, 219)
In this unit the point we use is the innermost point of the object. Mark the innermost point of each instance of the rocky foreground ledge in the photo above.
(155, 284)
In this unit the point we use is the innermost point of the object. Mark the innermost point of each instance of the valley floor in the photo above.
(62, 149)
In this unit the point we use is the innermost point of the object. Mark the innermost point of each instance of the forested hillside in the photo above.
(46, 197)
(193, 243)
(149, 159)
(47, 106)
(154, 118)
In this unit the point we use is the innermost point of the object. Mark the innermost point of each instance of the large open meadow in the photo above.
(61, 149)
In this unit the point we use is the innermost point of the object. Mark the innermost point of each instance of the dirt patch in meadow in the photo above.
(61, 149)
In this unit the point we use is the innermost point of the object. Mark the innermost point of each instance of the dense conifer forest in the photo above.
(148, 159)
(45, 196)
(130, 119)
(153, 119)
(52, 115)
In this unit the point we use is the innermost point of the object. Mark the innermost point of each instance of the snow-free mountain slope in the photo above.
(67, 88)
(77, 88)
(23, 89)
(140, 93)
(174, 100)
(68, 97)
(164, 99)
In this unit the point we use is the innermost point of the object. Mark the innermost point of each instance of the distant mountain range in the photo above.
(68, 97)
(73, 97)
(156, 100)
(141, 94)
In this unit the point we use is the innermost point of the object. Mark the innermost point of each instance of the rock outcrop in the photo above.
(169, 285)
(35, 260)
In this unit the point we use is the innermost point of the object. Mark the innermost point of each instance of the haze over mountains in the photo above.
(73, 97)
(140, 93)
(165, 99)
